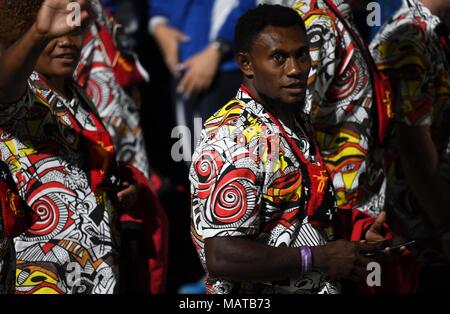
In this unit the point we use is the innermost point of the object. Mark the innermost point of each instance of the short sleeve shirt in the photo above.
(243, 185)
(40, 142)
(408, 50)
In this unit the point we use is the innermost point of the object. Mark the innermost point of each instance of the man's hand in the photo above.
(169, 40)
(376, 230)
(129, 195)
(51, 21)
(343, 259)
(200, 71)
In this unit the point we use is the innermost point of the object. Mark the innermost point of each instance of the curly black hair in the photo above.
(16, 17)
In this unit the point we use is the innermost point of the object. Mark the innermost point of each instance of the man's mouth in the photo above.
(296, 88)
(68, 57)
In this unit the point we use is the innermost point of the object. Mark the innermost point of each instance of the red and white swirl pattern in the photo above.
(233, 196)
(207, 167)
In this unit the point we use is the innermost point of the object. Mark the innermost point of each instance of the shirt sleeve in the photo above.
(402, 54)
(159, 12)
(161, 8)
(225, 194)
(226, 32)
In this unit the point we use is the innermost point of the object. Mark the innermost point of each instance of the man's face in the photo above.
(279, 64)
(61, 56)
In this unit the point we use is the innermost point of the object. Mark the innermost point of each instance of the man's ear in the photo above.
(243, 59)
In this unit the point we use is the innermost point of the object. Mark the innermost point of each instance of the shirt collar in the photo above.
(424, 12)
(254, 107)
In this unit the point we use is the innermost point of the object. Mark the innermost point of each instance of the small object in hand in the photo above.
(390, 246)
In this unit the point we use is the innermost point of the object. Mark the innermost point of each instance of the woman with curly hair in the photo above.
(58, 157)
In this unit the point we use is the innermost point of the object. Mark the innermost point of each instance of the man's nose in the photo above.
(294, 67)
(65, 41)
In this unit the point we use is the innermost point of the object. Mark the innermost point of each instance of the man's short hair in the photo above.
(256, 20)
(16, 17)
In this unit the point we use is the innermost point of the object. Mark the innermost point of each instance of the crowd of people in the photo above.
(318, 144)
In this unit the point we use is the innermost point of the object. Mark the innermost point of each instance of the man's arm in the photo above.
(414, 102)
(397, 55)
(202, 68)
(421, 166)
(159, 12)
(243, 259)
(167, 37)
(16, 64)
(19, 60)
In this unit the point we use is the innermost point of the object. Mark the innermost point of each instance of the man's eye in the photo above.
(302, 54)
(278, 57)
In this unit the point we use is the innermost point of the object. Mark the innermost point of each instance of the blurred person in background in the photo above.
(413, 50)
(106, 69)
(196, 40)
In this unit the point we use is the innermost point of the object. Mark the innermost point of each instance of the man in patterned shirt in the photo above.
(263, 206)
(413, 50)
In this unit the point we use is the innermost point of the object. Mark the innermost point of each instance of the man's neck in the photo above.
(58, 85)
(276, 109)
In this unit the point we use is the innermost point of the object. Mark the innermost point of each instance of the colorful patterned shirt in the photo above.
(73, 247)
(340, 100)
(409, 51)
(119, 112)
(247, 181)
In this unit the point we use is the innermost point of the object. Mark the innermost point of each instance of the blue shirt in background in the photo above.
(202, 21)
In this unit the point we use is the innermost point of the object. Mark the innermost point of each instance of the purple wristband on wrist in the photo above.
(306, 258)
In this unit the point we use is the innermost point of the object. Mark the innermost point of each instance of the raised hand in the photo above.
(377, 229)
(53, 17)
(129, 195)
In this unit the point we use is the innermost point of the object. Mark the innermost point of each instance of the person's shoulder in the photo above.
(232, 127)
(314, 14)
(227, 116)
(407, 25)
